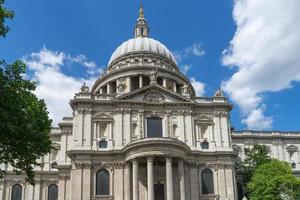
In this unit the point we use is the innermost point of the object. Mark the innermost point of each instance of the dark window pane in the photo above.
(293, 165)
(205, 145)
(16, 192)
(240, 191)
(207, 182)
(53, 192)
(102, 182)
(103, 144)
(154, 127)
(159, 192)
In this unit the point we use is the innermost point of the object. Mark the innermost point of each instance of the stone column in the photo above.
(108, 88)
(164, 82)
(181, 179)
(169, 177)
(150, 178)
(140, 81)
(129, 84)
(174, 87)
(127, 182)
(135, 180)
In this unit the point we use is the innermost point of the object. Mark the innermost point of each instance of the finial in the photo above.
(141, 12)
(141, 27)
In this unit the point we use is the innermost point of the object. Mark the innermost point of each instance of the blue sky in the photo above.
(69, 42)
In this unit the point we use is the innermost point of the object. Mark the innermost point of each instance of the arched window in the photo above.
(16, 193)
(174, 130)
(102, 182)
(154, 127)
(52, 192)
(207, 179)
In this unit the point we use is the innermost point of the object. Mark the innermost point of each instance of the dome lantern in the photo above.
(141, 28)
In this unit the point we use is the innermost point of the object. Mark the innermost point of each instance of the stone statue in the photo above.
(85, 88)
(219, 93)
(185, 90)
(153, 77)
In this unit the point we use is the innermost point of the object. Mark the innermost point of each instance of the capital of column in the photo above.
(169, 158)
(127, 165)
(135, 162)
(150, 159)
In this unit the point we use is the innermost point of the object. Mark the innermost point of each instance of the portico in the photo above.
(170, 164)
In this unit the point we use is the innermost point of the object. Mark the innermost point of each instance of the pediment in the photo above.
(236, 147)
(56, 146)
(154, 94)
(204, 119)
(291, 148)
(102, 117)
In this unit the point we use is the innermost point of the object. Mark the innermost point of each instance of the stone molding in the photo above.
(110, 165)
(214, 166)
(82, 165)
(64, 176)
(220, 114)
(102, 197)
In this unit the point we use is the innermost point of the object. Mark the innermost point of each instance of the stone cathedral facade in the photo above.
(141, 133)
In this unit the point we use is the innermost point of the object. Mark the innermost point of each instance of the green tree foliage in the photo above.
(24, 122)
(274, 181)
(4, 14)
(254, 157)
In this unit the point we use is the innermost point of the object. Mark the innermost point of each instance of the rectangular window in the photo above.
(154, 127)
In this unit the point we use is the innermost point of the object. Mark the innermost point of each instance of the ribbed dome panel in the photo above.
(141, 45)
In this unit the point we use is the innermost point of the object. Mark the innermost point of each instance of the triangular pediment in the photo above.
(292, 148)
(204, 119)
(154, 94)
(102, 117)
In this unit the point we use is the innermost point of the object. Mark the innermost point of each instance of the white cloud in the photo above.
(187, 53)
(55, 87)
(194, 50)
(265, 51)
(256, 119)
(81, 59)
(198, 86)
(185, 68)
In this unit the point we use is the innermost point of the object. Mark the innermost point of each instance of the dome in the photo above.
(142, 44)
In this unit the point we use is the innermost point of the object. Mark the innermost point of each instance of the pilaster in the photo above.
(194, 181)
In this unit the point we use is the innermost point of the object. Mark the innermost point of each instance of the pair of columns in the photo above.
(150, 181)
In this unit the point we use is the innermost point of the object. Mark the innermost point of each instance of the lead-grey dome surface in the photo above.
(142, 44)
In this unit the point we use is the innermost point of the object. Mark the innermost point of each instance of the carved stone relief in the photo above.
(154, 97)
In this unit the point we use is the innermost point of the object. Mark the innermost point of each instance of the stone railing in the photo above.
(102, 197)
